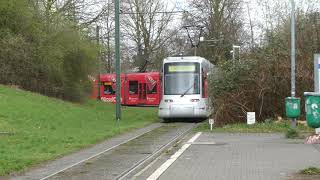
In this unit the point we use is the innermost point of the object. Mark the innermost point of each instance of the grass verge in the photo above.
(267, 127)
(292, 133)
(35, 128)
(310, 171)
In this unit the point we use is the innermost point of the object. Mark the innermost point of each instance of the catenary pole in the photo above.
(117, 59)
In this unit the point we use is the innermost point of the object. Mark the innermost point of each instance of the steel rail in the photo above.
(151, 157)
(97, 154)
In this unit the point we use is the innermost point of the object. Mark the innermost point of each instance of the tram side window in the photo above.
(108, 90)
(153, 90)
(133, 87)
(203, 87)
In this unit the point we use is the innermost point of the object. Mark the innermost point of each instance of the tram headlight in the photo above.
(195, 100)
(168, 100)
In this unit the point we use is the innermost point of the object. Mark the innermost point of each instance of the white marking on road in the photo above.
(155, 175)
(203, 143)
(147, 167)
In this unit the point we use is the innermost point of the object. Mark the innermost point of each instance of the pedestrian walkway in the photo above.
(225, 156)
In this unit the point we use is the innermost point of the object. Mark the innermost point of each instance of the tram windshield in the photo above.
(181, 78)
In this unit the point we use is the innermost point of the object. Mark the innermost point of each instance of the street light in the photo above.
(234, 47)
(293, 57)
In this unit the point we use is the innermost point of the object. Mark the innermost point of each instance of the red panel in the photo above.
(141, 97)
(152, 80)
(132, 98)
(111, 79)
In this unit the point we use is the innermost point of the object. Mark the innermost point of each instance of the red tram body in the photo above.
(136, 88)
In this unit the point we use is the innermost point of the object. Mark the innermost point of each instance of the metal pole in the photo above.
(233, 56)
(239, 54)
(99, 63)
(117, 59)
(293, 57)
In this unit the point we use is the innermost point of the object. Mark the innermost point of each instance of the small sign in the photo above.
(251, 117)
(318, 131)
(211, 122)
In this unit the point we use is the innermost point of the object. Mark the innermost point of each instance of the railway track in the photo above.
(142, 163)
(122, 160)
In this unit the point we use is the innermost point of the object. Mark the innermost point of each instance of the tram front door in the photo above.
(142, 93)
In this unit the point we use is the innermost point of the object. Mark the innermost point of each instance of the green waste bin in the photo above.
(312, 107)
(293, 107)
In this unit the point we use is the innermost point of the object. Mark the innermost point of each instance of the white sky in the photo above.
(258, 10)
(277, 11)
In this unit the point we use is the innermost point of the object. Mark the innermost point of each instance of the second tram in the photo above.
(136, 89)
(185, 88)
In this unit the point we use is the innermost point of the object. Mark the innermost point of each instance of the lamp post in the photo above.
(234, 47)
(293, 58)
(117, 59)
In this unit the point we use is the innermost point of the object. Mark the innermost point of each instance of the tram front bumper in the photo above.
(182, 111)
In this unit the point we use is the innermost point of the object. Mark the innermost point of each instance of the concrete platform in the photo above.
(225, 156)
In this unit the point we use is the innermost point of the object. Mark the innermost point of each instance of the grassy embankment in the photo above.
(35, 128)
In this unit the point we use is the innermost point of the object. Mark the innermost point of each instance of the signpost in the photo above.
(211, 122)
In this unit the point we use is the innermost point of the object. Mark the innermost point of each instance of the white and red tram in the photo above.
(185, 88)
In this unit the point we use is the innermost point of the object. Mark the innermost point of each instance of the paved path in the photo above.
(222, 156)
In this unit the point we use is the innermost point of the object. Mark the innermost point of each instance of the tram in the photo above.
(185, 88)
(136, 89)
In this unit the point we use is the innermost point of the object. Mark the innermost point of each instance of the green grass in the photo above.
(269, 127)
(43, 128)
(310, 171)
(292, 133)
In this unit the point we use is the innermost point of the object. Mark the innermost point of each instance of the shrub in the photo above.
(292, 133)
(51, 56)
(261, 81)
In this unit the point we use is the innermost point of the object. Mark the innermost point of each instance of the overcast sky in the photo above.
(257, 10)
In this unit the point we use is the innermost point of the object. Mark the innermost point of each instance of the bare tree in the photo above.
(145, 24)
(222, 22)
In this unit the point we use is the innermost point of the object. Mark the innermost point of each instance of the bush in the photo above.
(292, 133)
(46, 55)
(232, 91)
(261, 82)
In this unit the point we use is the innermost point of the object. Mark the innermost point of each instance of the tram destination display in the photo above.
(182, 68)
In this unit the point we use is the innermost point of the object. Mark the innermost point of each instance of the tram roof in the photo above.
(184, 59)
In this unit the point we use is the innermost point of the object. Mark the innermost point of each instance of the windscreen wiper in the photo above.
(187, 90)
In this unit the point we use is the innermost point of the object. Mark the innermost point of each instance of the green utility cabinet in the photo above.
(293, 107)
(312, 106)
